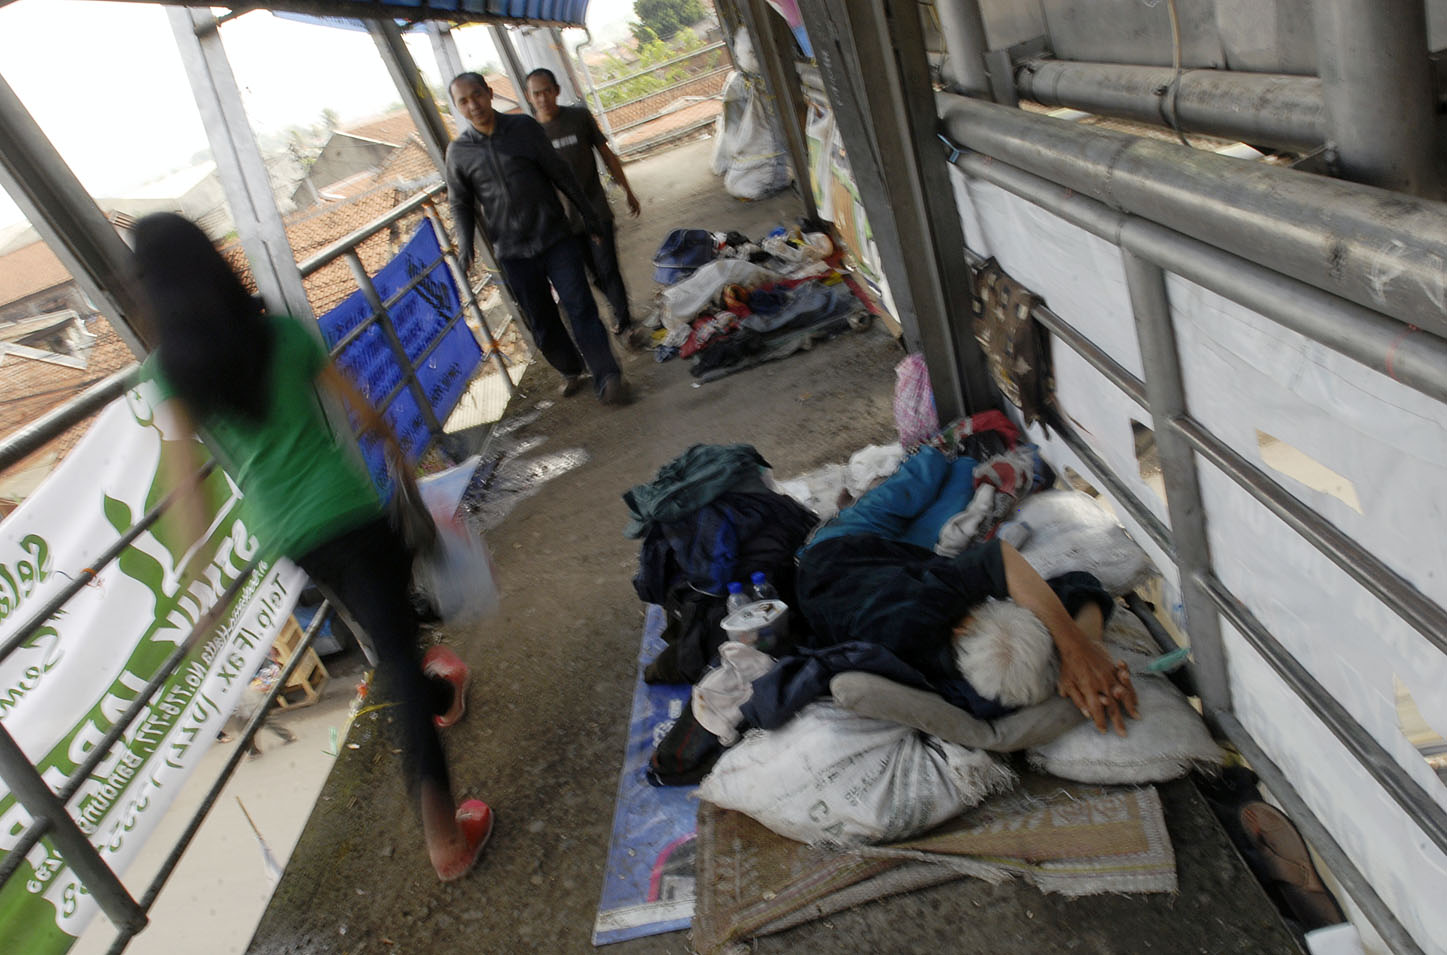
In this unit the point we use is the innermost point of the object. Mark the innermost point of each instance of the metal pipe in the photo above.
(1258, 108)
(1337, 861)
(1379, 249)
(98, 878)
(1400, 351)
(1420, 807)
(1181, 679)
(102, 748)
(15, 855)
(963, 29)
(404, 363)
(1414, 607)
(252, 727)
(1166, 394)
(31, 437)
(464, 288)
(1377, 89)
(599, 112)
(1122, 495)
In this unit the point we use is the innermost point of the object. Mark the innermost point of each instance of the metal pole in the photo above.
(1416, 358)
(1166, 395)
(239, 164)
(444, 48)
(32, 793)
(415, 94)
(513, 66)
(1380, 249)
(31, 437)
(963, 70)
(560, 48)
(782, 81)
(384, 318)
(469, 300)
(1377, 87)
(872, 59)
(1257, 108)
(66, 217)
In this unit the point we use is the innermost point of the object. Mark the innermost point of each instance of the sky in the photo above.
(118, 106)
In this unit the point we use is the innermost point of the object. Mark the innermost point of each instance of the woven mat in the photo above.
(1067, 838)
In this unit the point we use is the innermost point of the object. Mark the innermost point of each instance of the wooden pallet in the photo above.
(305, 685)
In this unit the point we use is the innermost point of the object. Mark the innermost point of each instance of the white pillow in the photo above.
(1060, 531)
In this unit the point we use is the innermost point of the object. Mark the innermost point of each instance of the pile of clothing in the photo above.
(730, 303)
(876, 596)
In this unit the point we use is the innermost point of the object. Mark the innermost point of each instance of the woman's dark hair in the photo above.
(212, 339)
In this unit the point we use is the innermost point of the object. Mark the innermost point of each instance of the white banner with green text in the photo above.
(71, 680)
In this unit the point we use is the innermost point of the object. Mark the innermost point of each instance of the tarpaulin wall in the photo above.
(1372, 459)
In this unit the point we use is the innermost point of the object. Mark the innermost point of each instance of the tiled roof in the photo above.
(409, 164)
(29, 387)
(394, 128)
(29, 269)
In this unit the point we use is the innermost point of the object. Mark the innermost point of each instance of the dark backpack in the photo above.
(681, 253)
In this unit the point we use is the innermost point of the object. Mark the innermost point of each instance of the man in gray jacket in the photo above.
(505, 164)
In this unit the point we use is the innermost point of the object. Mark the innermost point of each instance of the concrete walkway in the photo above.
(546, 725)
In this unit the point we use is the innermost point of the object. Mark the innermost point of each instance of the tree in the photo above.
(664, 17)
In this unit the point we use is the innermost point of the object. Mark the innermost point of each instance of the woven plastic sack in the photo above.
(1168, 741)
(832, 777)
(915, 417)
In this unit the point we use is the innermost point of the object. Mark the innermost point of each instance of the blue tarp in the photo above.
(419, 318)
(648, 882)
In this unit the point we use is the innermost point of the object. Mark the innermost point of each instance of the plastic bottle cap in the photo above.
(735, 587)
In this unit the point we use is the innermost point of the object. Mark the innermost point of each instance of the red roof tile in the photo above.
(29, 269)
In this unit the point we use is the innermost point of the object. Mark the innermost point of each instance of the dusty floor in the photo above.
(546, 724)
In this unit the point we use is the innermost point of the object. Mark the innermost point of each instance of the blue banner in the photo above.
(420, 319)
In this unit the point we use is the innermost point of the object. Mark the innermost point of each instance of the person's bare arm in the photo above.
(615, 169)
(1099, 686)
(181, 464)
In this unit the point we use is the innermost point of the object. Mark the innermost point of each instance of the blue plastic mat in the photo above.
(648, 883)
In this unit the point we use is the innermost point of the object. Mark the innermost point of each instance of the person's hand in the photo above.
(634, 208)
(1099, 687)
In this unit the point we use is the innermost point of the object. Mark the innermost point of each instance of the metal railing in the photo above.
(380, 315)
(1145, 213)
(47, 806)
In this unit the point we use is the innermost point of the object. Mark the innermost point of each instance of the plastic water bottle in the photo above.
(737, 599)
(763, 590)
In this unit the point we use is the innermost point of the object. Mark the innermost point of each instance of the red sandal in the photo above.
(474, 818)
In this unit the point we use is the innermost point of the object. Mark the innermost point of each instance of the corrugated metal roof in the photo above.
(561, 12)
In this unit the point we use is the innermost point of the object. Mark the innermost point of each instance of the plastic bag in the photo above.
(832, 777)
(456, 575)
(915, 417)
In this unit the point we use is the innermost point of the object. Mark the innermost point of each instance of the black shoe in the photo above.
(615, 391)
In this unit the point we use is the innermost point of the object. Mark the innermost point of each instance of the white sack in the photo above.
(719, 695)
(1168, 741)
(832, 777)
(1061, 531)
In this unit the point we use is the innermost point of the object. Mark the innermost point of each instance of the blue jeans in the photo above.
(562, 264)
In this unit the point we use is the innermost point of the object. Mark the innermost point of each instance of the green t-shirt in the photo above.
(302, 488)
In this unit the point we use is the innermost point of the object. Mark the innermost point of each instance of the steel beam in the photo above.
(415, 94)
(1380, 249)
(239, 165)
(963, 70)
(1259, 108)
(1409, 355)
(1166, 395)
(872, 60)
(444, 49)
(1377, 87)
(69, 221)
(511, 64)
(776, 53)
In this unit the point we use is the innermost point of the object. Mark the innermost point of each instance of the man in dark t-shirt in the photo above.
(575, 135)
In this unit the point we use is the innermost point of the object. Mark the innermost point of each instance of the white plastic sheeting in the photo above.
(1244, 374)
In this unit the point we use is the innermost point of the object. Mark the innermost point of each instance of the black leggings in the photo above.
(368, 571)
